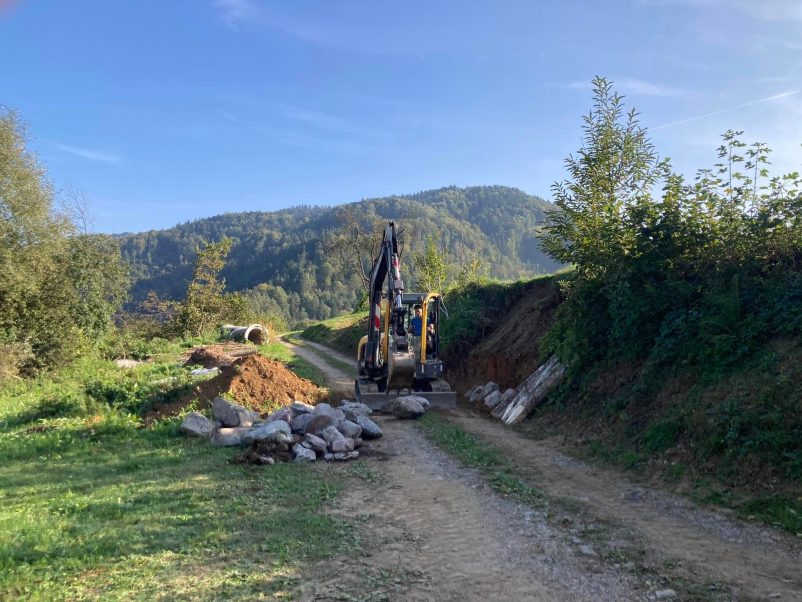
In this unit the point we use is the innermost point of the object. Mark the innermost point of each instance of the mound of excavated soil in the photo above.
(257, 382)
(208, 357)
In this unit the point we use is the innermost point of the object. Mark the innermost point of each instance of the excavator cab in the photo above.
(393, 359)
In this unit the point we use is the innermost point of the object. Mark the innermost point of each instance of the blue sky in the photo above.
(173, 110)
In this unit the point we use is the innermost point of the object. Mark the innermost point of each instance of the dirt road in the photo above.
(338, 379)
(436, 531)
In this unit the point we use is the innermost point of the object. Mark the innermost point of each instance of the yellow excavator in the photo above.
(393, 358)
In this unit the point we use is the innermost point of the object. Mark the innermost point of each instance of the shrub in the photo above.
(700, 275)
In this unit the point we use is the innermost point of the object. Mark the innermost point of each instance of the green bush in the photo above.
(661, 435)
(701, 275)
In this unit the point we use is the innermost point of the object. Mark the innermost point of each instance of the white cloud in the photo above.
(235, 11)
(637, 86)
(227, 116)
(328, 122)
(88, 154)
(719, 112)
(769, 10)
(629, 85)
(341, 147)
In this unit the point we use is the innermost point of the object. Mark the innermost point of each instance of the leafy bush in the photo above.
(700, 276)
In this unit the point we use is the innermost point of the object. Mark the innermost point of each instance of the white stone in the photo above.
(196, 424)
(227, 437)
(231, 414)
(302, 454)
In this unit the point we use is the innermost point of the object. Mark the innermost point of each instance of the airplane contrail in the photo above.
(748, 104)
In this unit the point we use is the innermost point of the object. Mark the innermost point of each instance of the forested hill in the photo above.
(280, 259)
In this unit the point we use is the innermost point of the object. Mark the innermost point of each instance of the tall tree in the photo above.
(61, 283)
(206, 302)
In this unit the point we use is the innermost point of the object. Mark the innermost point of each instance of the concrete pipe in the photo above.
(255, 333)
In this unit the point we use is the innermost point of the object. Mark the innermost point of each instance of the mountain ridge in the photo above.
(279, 258)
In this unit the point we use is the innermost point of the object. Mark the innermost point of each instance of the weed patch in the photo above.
(501, 474)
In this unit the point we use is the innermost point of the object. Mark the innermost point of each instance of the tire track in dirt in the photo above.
(757, 562)
(338, 379)
(442, 534)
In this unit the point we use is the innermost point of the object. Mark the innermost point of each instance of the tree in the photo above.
(432, 268)
(206, 304)
(61, 284)
(357, 241)
(616, 166)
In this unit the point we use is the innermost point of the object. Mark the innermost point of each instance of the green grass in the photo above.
(341, 333)
(471, 451)
(94, 507)
(300, 366)
(349, 369)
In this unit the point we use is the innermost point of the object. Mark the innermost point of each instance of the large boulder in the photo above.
(494, 399)
(270, 431)
(196, 424)
(316, 443)
(351, 415)
(331, 434)
(346, 455)
(355, 406)
(299, 423)
(490, 387)
(232, 415)
(425, 403)
(324, 409)
(227, 437)
(469, 393)
(299, 407)
(477, 395)
(342, 446)
(491, 400)
(370, 430)
(319, 423)
(302, 454)
(284, 414)
(404, 407)
(349, 429)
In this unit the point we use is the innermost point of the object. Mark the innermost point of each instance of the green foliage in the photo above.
(700, 277)
(342, 334)
(432, 268)
(61, 284)
(661, 435)
(284, 263)
(474, 452)
(206, 304)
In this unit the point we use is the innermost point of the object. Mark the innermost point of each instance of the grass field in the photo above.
(341, 333)
(94, 507)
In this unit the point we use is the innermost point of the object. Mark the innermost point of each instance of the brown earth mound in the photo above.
(257, 382)
(208, 357)
(509, 351)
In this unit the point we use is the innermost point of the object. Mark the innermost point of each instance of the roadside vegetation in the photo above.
(94, 502)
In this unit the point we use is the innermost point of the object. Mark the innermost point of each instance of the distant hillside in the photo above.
(279, 257)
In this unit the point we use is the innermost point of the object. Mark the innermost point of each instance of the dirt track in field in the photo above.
(438, 532)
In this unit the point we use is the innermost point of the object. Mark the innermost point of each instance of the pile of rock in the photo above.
(309, 431)
(515, 404)
(490, 394)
